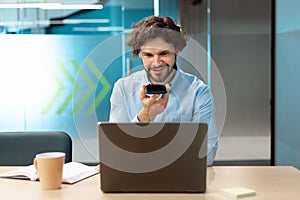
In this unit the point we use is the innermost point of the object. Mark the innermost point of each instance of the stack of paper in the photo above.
(238, 192)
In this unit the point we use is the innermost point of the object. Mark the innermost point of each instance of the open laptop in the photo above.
(153, 157)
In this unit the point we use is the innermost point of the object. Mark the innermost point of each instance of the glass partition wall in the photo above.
(287, 83)
(237, 37)
(59, 65)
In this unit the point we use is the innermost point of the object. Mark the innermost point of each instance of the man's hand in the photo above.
(152, 105)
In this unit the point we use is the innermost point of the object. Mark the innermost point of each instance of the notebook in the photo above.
(153, 157)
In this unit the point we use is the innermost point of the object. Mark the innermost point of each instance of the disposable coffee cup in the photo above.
(49, 167)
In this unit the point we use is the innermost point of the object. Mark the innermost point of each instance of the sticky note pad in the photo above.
(238, 192)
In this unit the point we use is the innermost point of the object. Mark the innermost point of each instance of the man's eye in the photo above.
(165, 53)
(147, 54)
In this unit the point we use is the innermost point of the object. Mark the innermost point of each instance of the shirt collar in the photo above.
(175, 78)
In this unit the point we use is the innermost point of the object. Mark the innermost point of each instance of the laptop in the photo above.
(153, 157)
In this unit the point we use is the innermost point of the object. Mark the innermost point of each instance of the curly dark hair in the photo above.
(153, 27)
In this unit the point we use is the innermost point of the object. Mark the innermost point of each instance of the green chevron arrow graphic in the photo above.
(103, 81)
(56, 95)
(91, 87)
(84, 98)
(72, 93)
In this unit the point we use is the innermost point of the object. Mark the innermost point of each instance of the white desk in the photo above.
(274, 183)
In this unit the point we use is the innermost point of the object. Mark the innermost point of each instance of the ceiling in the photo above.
(14, 19)
(17, 19)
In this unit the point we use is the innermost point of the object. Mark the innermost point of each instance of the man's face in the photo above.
(159, 58)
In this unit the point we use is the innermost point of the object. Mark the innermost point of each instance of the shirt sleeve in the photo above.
(118, 112)
(135, 119)
(204, 111)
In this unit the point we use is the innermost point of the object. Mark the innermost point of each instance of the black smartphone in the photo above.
(156, 89)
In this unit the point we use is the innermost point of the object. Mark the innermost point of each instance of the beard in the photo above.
(162, 77)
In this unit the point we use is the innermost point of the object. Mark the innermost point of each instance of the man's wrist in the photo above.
(143, 116)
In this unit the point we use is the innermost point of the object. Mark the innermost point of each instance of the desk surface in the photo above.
(268, 182)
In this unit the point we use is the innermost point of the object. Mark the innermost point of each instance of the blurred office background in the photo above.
(60, 59)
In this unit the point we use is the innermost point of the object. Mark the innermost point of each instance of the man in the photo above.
(158, 41)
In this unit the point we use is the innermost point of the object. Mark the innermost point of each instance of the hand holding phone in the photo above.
(156, 89)
(154, 99)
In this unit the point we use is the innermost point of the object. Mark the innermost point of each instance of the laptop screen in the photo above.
(153, 157)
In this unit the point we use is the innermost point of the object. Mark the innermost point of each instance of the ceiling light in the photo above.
(27, 5)
(72, 7)
(52, 6)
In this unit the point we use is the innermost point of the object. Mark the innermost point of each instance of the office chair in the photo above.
(20, 148)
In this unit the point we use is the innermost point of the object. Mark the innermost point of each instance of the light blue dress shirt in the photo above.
(190, 100)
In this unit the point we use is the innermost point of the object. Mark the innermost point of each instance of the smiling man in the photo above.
(158, 41)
